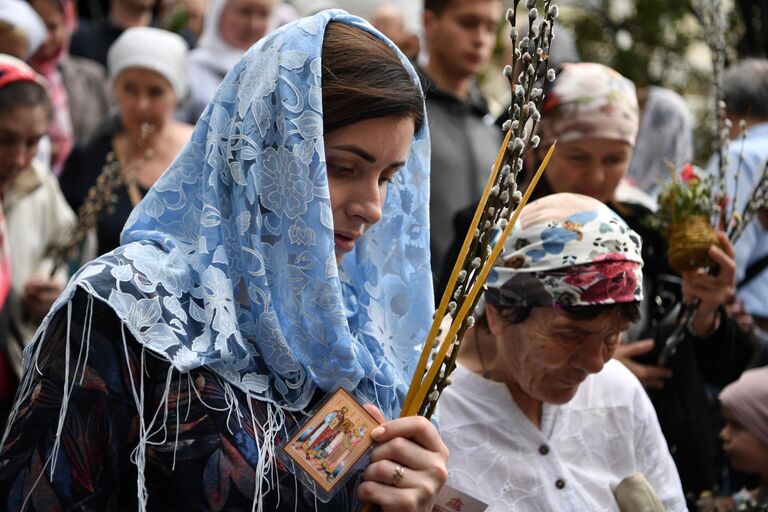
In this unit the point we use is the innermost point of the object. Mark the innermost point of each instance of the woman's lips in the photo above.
(343, 242)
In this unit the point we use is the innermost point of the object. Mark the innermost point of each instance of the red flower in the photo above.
(689, 175)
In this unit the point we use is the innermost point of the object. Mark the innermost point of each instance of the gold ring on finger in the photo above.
(397, 476)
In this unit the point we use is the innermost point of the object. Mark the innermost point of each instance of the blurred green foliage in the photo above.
(654, 42)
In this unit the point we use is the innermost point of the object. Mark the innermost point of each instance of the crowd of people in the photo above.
(263, 200)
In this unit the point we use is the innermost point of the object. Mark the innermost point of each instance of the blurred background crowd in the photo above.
(126, 80)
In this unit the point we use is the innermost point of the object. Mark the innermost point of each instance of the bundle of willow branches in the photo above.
(497, 211)
(713, 23)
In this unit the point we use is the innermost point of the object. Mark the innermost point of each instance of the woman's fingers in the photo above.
(375, 412)
(389, 499)
(725, 261)
(408, 467)
(726, 243)
(391, 473)
(405, 452)
(398, 487)
(416, 428)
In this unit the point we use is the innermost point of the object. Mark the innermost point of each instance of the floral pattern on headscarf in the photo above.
(581, 258)
(590, 100)
(229, 261)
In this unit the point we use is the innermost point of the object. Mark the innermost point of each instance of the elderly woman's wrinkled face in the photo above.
(144, 96)
(243, 22)
(362, 159)
(591, 167)
(549, 355)
(745, 452)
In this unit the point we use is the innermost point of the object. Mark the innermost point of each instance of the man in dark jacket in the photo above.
(459, 37)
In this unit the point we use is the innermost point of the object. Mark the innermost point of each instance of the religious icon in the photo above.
(332, 441)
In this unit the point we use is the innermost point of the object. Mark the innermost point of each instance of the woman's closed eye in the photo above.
(577, 157)
(615, 159)
(341, 169)
(389, 175)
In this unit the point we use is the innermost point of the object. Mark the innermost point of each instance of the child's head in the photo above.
(745, 435)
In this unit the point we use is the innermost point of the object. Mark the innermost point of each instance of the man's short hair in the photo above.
(745, 88)
(436, 6)
(629, 311)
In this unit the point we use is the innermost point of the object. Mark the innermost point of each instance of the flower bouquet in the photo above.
(686, 209)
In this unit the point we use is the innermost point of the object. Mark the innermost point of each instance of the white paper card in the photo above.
(453, 500)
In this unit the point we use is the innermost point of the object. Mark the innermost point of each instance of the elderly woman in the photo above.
(592, 112)
(230, 28)
(147, 67)
(538, 416)
(283, 254)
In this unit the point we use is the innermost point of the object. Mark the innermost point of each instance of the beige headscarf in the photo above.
(589, 100)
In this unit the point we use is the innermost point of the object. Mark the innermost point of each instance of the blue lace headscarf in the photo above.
(229, 262)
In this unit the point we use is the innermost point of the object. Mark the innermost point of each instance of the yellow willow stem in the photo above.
(426, 383)
(421, 368)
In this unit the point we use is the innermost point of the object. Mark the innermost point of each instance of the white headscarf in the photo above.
(20, 14)
(152, 48)
(212, 50)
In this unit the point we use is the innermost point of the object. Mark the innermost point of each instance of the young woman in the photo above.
(284, 253)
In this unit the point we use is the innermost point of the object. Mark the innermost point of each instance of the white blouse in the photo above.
(584, 448)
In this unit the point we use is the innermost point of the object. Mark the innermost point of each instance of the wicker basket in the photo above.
(689, 243)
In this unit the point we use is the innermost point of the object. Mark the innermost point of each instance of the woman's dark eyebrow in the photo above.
(358, 151)
(365, 155)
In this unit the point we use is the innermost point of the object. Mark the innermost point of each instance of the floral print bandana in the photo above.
(567, 250)
(590, 100)
(229, 262)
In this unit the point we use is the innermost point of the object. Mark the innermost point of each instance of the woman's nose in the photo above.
(142, 103)
(366, 203)
(597, 176)
(590, 357)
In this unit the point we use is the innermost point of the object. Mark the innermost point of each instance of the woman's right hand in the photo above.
(411, 448)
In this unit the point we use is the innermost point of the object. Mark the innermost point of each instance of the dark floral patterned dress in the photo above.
(199, 456)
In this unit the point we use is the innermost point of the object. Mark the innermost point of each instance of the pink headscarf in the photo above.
(61, 132)
(747, 400)
(11, 70)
